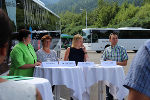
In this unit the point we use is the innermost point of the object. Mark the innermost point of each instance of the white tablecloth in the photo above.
(43, 86)
(113, 76)
(72, 77)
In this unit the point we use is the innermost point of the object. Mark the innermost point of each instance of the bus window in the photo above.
(134, 34)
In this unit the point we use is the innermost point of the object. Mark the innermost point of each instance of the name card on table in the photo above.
(108, 63)
(50, 64)
(67, 63)
(86, 64)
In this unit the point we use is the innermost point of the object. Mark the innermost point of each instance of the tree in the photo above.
(127, 11)
(106, 14)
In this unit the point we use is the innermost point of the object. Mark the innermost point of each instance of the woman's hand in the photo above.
(37, 63)
(30, 65)
(84, 49)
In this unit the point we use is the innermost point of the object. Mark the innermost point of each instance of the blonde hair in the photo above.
(75, 39)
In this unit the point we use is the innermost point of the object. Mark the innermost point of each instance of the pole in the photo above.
(86, 19)
(91, 37)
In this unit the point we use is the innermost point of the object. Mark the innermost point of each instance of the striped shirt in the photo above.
(116, 53)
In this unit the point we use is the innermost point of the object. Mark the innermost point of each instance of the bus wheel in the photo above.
(98, 51)
(135, 51)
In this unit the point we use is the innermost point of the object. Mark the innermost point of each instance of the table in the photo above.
(112, 76)
(80, 79)
(43, 86)
(72, 77)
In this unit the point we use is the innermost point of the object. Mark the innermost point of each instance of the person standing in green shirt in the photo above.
(23, 56)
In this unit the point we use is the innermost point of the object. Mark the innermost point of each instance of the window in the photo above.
(134, 34)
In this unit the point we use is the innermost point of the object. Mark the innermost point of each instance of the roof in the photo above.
(44, 31)
(122, 28)
(43, 5)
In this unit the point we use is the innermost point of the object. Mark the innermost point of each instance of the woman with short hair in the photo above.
(11, 90)
(45, 54)
(23, 56)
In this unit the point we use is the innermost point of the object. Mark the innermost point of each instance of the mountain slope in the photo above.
(72, 5)
(59, 6)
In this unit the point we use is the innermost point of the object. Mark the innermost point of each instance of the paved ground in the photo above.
(94, 57)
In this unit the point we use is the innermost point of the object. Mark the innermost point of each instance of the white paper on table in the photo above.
(67, 63)
(108, 63)
(85, 64)
(50, 64)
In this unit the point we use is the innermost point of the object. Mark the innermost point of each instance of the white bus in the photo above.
(129, 37)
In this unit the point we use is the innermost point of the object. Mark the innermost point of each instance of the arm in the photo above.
(85, 54)
(67, 54)
(138, 76)
(17, 59)
(25, 66)
(55, 54)
(39, 56)
(38, 95)
(124, 57)
(124, 63)
(103, 57)
(135, 95)
(86, 57)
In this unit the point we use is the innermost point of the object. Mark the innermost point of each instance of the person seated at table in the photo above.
(138, 77)
(23, 56)
(9, 89)
(77, 52)
(45, 54)
(114, 53)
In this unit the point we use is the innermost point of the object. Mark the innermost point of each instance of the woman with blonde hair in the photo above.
(77, 52)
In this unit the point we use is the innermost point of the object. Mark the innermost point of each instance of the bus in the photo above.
(36, 17)
(30, 13)
(129, 37)
(36, 40)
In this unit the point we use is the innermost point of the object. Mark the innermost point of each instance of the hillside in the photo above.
(73, 5)
(59, 6)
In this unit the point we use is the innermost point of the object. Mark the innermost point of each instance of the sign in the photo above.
(86, 64)
(50, 64)
(108, 63)
(67, 63)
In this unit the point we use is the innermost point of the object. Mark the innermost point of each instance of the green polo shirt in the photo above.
(21, 55)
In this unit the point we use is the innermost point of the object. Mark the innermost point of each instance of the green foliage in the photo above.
(71, 23)
(144, 11)
(146, 1)
(108, 14)
(73, 5)
(127, 11)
